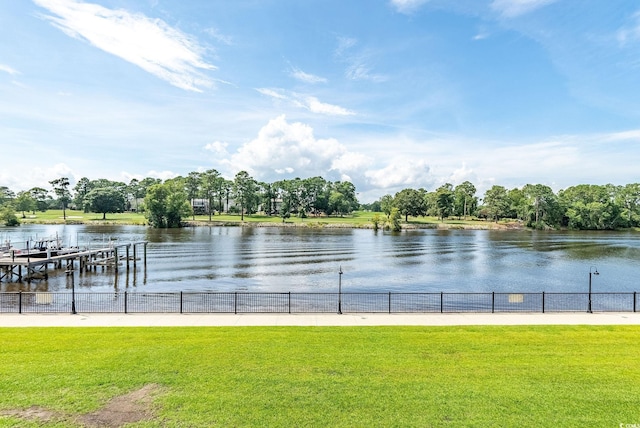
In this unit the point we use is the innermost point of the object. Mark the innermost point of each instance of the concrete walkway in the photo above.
(193, 320)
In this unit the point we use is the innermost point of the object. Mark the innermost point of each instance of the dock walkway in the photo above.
(23, 267)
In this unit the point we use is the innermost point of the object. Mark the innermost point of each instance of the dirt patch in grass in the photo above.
(133, 407)
(34, 413)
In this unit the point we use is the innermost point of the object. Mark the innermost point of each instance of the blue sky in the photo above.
(385, 93)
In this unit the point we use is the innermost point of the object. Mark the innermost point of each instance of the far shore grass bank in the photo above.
(358, 219)
(516, 376)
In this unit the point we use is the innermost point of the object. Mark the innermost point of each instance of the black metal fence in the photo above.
(246, 302)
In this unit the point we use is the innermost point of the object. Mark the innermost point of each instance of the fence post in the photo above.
(543, 302)
(289, 301)
(493, 302)
(441, 301)
(20, 302)
(125, 302)
(181, 302)
(634, 300)
(389, 301)
(235, 303)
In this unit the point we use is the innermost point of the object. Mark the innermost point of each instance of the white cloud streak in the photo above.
(217, 147)
(306, 102)
(300, 75)
(407, 6)
(630, 33)
(515, 8)
(151, 44)
(7, 69)
(358, 63)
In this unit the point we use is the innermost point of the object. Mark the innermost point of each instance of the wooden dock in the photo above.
(25, 268)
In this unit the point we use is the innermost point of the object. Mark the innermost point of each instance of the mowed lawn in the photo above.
(331, 376)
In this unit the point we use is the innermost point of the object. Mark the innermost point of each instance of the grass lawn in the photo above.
(355, 219)
(73, 216)
(334, 376)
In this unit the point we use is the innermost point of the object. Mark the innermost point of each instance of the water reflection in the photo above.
(296, 259)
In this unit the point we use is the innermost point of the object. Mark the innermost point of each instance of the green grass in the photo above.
(74, 216)
(355, 219)
(334, 376)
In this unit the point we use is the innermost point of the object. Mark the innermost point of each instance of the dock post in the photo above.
(134, 256)
(145, 253)
(115, 258)
(128, 245)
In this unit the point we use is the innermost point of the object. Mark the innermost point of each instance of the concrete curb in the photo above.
(316, 320)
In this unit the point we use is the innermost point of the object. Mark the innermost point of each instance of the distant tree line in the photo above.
(168, 203)
(583, 207)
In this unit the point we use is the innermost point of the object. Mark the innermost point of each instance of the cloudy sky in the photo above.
(385, 93)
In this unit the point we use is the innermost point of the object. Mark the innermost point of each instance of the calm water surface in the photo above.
(292, 259)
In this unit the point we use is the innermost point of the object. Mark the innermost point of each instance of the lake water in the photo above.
(303, 260)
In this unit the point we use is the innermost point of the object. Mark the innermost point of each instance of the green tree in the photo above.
(628, 198)
(395, 218)
(40, 196)
(105, 200)
(376, 219)
(465, 199)
(192, 186)
(411, 202)
(209, 186)
(542, 206)
(590, 207)
(8, 215)
(518, 204)
(266, 196)
(316, 194)
(6, 195)
(244, 188)
(61, 189)
(82, 187)
(135, 191)
(496, 202)
(166, 204)
(445, 199)
(155, 202)
(386, 204)
(25, 202)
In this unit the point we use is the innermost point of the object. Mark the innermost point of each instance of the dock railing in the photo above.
(294, 302)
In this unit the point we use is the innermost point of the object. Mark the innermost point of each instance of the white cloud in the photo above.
(481, 35)
(8, 69)
(273, 93)
(463, 174)
(307, 102)
(344, 44)
(151, 44)
(286, 148)
(358, 63)
(352, 161)
(401, 172)
(514, 8)
(407, 6)
(162, 175)
(37, 177)
(215, 33)
(315, 106)
(217, 147)
(633, 134)
(631, 32)
(306, 77)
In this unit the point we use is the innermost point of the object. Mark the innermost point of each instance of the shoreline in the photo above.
(310, 224)
(313, 223)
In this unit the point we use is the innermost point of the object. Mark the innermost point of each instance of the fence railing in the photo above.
(288, 302)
